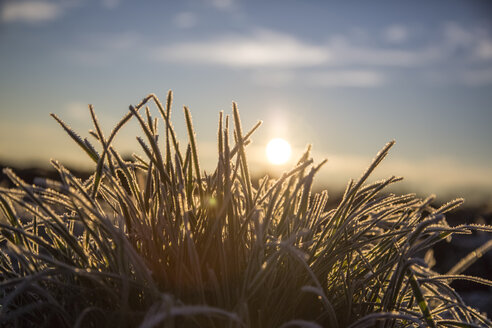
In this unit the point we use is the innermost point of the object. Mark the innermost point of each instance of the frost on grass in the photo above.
(154, 241)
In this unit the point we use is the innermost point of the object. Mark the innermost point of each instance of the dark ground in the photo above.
(446, 254)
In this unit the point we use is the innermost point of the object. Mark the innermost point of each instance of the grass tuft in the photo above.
(155, 241)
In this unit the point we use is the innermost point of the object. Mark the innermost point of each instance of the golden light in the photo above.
(278, 151)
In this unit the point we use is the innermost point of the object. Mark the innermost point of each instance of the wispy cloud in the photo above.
(484, 49)
(278, 59)
(103, 49)
(346, 53)
(327, 78)
(185, 19)
(30, 11)
(222, 4)
(36, 11)
(457, 35)
(346, 78)
(474, 42)
(396, 34)
(262, 49)
(265, 48)
(110, 4)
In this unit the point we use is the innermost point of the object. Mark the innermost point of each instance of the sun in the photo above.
(278, 151)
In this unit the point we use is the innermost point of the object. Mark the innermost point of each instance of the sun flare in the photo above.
(278, 151)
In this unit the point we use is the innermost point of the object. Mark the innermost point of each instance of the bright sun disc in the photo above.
(278, 151)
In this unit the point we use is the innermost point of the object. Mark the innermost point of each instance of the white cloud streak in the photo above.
(334, 78)
(30, 11)
(346, 78)
(185, 20)
(457, 35)
(37, 11)
(484, 49)
(396, 34)
(222, 4)
(104, 49)
(278, 58)
(345, 53)
(262, 49)
(265, 48)
(110, 4)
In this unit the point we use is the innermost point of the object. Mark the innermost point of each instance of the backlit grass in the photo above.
(157, 242)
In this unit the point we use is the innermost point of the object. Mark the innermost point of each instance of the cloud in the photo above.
(30, 11)
(484, 49)
(265, 48)
(345, 52)
(110, 4)
(395, 34)
(185, 20)
(222, 4)
(346, 78)
(278, 59)
(262, 49)
(457, 35)
(104, 49)
(475, 42)
(386, 57)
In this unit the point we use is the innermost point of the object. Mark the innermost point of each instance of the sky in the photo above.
(346, 77)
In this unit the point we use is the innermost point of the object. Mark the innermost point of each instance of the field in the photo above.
(156, 241)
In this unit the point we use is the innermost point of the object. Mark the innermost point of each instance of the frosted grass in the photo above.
(156, 242)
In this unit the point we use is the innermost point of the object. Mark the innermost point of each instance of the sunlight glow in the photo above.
(278, 151)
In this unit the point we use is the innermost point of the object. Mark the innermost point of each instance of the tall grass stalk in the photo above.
(156, 242)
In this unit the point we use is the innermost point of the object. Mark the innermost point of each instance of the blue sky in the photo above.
(344, 76)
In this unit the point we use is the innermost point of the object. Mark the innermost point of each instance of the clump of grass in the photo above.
(155, 241)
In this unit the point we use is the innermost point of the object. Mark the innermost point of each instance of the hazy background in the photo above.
(345, 77)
